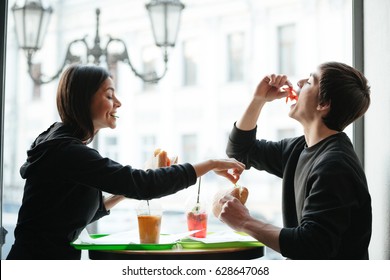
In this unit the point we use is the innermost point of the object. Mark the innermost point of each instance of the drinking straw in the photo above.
(197, 199)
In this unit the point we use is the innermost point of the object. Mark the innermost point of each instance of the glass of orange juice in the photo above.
(149, 214)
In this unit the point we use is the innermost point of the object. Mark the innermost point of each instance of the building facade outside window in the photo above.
(194, 106)
(189, 148)
(37, 89)
(190, 64)
(235, 50)
(148, 145)
(149, 63)
(286, 46)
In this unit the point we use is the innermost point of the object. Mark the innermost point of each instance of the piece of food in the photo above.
(239, 192)
(160, 159)
(291, 94)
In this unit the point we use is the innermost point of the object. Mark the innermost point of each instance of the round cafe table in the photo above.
(234, 253)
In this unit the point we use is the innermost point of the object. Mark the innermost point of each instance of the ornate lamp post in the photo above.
(32, 20)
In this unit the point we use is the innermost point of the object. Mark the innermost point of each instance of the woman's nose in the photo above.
(300, 83)
(117, 102)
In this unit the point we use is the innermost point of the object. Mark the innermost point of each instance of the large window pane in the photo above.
(288, 36)
(190, 61)
(235, 44)
(287, 55)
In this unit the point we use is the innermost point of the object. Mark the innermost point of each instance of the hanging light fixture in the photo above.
(32, 20)
(165, 18)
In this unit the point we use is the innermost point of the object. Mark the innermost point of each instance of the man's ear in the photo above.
(324, 107)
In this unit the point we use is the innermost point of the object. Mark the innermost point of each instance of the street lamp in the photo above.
(32, 20)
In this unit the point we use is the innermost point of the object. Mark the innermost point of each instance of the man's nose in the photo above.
(300, 83)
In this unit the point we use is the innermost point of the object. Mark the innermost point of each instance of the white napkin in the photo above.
(224, 236)
(127, 237)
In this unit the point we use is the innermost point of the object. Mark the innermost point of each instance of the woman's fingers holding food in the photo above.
(231, 177)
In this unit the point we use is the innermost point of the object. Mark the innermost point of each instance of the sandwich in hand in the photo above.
(239, 192)
(160, 159)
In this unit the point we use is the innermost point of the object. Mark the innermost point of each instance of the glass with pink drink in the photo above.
(197, 220)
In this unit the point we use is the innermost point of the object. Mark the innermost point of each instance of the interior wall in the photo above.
(3, 37)
(377, 127)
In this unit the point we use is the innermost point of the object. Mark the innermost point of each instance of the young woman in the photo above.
(65, 178)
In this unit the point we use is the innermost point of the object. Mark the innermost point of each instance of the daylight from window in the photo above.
(223, 49)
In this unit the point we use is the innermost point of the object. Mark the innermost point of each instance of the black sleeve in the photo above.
(260, 154)
(86, 166)
(102, 211)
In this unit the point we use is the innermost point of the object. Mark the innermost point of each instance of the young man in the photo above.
(326, 202)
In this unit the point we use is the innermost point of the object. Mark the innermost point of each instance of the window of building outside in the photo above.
(235, 47)
(149, 65)
(287, 51)
(189, 148)
(112, 64)
(148, 145)
(190, 62)
(282, 133)
(190, 122)
(37, 88)
(111, 146)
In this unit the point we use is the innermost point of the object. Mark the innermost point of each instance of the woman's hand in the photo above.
(228, 168)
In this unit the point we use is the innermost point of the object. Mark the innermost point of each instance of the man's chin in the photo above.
(292, 115)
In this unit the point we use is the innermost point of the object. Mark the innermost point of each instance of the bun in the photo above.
(160, 159)
(239, 192)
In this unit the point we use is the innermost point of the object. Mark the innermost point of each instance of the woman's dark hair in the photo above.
(77, 85)
(346, 90)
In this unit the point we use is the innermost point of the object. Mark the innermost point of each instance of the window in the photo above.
(36, 72)
(235, 49)
(282, 133)
(189, 148)
(112, 63)
(190, 66)
(149, 61)
(217, 105)
(148, 145)
(286, 42)
(111, 147)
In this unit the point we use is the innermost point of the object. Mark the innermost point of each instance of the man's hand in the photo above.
(233, 212)
(270, 86)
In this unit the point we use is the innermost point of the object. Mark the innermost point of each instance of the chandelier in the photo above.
(32, 20)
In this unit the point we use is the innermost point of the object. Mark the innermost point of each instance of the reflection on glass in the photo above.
(193, 122)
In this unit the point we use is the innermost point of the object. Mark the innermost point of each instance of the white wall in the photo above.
(377, 127)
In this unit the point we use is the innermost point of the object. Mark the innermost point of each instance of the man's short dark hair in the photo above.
(346, 90)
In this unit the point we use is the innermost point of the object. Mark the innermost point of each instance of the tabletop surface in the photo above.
(219, 245)
(235, 253)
